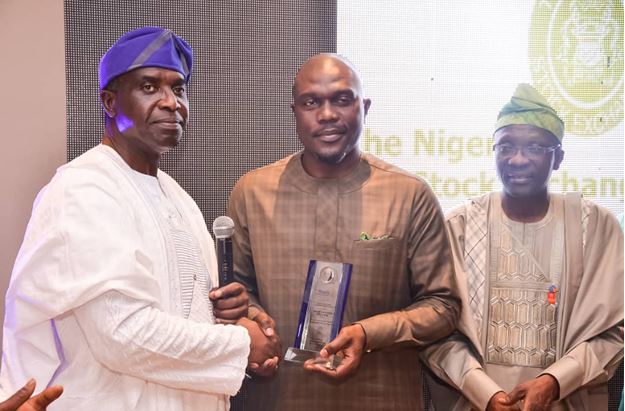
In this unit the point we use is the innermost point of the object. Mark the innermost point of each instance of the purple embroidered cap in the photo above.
(146, 47)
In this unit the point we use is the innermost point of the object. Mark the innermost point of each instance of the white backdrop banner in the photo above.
(438, 72)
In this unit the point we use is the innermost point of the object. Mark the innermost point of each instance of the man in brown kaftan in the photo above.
(315, 204)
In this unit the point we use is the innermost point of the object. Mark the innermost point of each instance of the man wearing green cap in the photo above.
(541, 276)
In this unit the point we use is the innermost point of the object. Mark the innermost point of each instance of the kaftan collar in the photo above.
(296, 175)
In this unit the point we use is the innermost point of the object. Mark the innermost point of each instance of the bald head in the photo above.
(330, 112)
(323, 64)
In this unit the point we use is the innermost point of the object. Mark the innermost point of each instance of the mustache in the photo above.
(330, 130)
(173, 118)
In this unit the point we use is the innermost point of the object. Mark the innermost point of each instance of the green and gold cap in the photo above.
(528, 106)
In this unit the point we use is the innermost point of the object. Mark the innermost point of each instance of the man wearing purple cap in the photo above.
(109, 296)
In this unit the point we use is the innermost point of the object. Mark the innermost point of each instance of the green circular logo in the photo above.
(576, 61)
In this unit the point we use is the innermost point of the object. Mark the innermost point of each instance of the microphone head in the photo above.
(223, 227)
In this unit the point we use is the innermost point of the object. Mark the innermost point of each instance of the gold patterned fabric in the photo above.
(401, 290)
(526, 260)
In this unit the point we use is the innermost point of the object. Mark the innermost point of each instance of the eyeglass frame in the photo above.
(523, 150)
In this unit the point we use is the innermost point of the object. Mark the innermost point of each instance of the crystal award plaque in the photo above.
(322, 309)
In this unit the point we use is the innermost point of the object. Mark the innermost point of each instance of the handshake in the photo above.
(230, 305)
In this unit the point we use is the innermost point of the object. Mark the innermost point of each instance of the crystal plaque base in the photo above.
(300, 356)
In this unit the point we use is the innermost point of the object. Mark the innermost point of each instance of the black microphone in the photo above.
(223, 228)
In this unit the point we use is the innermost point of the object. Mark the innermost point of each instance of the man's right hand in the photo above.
(21, 400)
(230, 302)
(265, 348)
(500, 401)
(270, 366)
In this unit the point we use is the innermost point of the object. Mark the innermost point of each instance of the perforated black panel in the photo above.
(246, 54)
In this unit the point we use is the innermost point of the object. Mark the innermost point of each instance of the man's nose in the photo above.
(169, 100)
(518, 158)
(327, 113)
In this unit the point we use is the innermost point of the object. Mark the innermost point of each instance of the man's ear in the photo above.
(559, 156)
(107, 98)
(366, 104)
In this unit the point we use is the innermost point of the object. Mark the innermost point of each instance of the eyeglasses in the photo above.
(532, 152)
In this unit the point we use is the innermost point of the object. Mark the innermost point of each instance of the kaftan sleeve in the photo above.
(455, 358)
(455, 363)
(435, 306)
(134, 338)
(591, 362)
(594, 360)
(244, 271)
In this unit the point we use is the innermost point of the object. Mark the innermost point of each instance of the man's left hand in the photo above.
(350, 344)
(230, 303)
(22, 400)
(537, 394)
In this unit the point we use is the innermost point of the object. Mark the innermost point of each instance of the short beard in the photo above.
(332, 159)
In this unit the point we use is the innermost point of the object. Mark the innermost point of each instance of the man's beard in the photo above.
(332, 159)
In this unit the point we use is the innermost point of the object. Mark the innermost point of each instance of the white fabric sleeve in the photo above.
(131, 337)
(591, 362)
